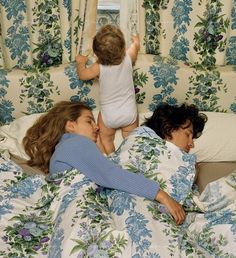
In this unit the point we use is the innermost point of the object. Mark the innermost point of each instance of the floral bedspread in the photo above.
(69, 216)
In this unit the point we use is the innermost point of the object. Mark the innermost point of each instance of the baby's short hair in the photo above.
(109, 45)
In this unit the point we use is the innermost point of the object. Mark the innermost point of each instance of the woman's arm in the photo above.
(83, 72)
(81, 153)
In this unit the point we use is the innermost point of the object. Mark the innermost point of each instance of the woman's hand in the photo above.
(175, 209)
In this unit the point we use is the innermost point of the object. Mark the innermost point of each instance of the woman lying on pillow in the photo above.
(65, 138)
(159, 149)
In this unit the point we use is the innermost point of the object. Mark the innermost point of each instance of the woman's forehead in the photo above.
(87, 113)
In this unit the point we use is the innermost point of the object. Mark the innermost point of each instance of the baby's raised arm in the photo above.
(134, 48)
(86, 73)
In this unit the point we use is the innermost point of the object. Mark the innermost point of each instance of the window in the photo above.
(108, 12)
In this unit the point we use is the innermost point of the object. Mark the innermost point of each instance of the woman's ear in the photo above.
(69, 128)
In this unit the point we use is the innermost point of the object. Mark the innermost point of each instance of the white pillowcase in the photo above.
(218, 140)
(11, 135)
(217, 143)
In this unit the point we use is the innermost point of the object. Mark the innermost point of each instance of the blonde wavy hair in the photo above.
(109, 45)
(40, 139)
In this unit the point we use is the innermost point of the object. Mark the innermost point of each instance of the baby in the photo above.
(114, 70)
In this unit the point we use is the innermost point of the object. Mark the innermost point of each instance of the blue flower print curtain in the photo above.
(44, 33)
(200, 37)
(193, 31)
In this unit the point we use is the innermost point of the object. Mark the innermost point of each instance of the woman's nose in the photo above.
(95, 126)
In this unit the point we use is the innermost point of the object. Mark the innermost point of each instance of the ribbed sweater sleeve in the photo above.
(75, 151)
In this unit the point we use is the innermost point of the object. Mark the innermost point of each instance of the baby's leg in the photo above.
(126, 130)
(107, 135)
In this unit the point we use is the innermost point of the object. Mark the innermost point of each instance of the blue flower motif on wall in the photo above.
(67, 43)
(13, 7)
(164, 75)
(231, 51)
(37, 89)
(84, 90)
(4, 83)
(180, 49)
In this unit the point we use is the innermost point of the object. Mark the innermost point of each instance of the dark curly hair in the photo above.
(167, 118)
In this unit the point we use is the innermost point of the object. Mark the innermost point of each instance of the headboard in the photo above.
(156, 80)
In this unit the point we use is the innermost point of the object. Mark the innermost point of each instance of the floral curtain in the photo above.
(132, 20)
(199, 36)
(200, 32)
(44, 33)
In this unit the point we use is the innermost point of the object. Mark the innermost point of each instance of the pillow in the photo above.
(145, 152)
(11, 135)
(218, 140)
(211, 171)
(217, 143)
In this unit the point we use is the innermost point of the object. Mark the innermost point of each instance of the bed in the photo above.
(70, 216)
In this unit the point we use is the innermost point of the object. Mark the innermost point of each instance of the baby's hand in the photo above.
(81, 59)
(136, 41)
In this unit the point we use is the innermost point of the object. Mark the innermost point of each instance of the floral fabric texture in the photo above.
(44, 33)
(145, 152)
(187, 54)
(69, 216)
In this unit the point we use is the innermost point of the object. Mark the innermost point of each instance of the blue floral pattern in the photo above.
(206, 83)
(6, 106)
(66, 215)
(143, 152)
(231, 51)
(17, 34)
(233, 15)
(37, 89)
(161, 161)
(187, 72)
(83, 86)
(49, 48)
(164, 76)
(180, 44)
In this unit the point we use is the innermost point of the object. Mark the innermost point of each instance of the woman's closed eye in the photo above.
(89, 121)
